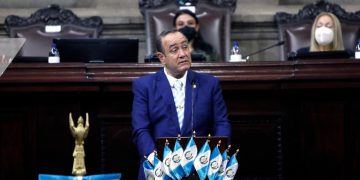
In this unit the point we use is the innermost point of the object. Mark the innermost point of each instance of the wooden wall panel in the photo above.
(290, 120)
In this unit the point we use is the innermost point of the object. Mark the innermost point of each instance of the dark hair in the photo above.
(198, 42)
(185, 11)
(159, 47)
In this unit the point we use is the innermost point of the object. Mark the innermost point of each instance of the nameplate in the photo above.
(190, 8)
(53, 28)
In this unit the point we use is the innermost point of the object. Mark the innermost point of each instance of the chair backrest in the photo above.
(36, 29)
(214, 19)
(295, 29)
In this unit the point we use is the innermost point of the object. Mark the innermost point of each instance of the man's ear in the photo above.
(161, 57)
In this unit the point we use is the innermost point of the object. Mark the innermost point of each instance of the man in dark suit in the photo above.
(160, 110)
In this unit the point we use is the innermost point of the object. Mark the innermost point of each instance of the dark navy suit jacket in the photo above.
(154, 113)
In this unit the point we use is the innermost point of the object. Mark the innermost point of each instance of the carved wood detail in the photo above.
(53, 15)
(148, 4)
(310, 11)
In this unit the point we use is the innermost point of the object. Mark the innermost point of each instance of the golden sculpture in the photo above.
(79, 132)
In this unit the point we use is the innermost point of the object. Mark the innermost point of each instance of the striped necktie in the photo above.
(179, 99)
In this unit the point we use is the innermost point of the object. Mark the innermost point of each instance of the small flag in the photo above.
(201, 162)
(231, 167)
(167, 159)
(187, 161)
(225, 159)
(175, 165)
(215, 162)
(148, 170)
(158, 169)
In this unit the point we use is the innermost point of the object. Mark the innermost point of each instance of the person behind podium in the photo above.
(187, 23)
(159, 109)
(326, 34)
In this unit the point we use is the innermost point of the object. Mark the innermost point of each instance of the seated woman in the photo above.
(326, 34)
(187, 23)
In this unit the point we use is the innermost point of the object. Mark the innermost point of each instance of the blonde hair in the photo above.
(337, 43)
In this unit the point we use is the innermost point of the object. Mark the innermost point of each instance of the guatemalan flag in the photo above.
(166, 160)
(187, 161)
(225, 159)
(231, 167)
(201, 162)
(175, 163)
(158, 169)
(215, 163)
(148, 170)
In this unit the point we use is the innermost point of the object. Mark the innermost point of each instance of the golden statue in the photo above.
(79, 133)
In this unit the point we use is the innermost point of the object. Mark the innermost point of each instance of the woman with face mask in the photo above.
(187, 23)
(326, 34)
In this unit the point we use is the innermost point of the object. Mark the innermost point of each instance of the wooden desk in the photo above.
(294, 120)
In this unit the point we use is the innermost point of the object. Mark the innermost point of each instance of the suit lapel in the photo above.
(165, 91)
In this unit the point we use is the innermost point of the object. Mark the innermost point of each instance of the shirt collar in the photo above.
(172, 79)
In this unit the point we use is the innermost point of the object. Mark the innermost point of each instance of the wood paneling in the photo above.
(292, 120)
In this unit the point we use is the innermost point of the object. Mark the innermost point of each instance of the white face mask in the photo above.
(324, 35)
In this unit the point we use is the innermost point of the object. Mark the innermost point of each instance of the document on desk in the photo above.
(9, 47)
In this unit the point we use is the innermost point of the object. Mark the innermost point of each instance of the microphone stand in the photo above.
(264, 49)
(192, 104)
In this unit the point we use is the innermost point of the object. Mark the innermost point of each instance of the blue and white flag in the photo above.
(231, 167)
(166, 161)
(201, 162)
(158, 169)
(215, 163)
(175, 163)
(148, 170)
(225, 159)
(187, 161)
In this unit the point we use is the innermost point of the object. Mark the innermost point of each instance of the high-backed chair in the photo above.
(214, 19)
(49, 23)
(295, 29)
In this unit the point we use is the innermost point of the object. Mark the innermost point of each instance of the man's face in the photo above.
(176, 57)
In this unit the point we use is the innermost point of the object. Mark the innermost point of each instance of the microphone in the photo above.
(193, 84)
(247, 57)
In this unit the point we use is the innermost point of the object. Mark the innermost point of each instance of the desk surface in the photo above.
(323, 71)
(263, 70)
